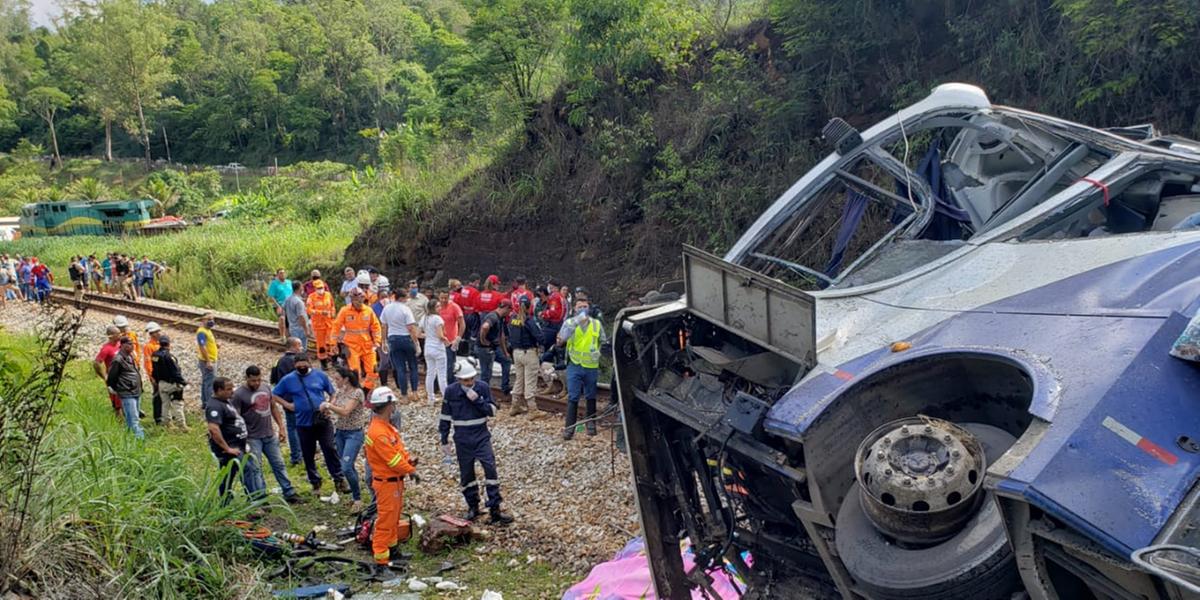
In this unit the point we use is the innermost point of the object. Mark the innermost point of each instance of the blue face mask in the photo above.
(412, 292)
(582, 313)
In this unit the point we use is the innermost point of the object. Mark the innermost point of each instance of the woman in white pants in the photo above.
(435, 348)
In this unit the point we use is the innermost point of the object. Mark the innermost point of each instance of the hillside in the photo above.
(610, 178)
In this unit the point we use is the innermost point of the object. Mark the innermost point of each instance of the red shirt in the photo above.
(488, 301)
(467, 298)
(554, 312)
(108, 352)
(518, 294)
(450, 314)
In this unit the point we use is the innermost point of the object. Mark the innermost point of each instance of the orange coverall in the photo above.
(148, 351)
(362, 333)
(389, 465)
(321, 313)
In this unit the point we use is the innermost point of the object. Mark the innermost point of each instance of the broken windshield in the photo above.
(918, 194)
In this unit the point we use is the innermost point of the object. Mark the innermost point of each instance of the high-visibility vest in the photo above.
(584, 345)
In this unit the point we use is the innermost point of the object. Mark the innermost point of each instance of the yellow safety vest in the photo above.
(584, 345)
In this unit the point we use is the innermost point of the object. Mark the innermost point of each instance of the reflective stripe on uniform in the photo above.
(491, 482)
(479, 421)
(395, 460)
(368, 441)
(381, 555)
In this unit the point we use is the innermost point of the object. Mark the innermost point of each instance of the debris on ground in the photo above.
(546, 482)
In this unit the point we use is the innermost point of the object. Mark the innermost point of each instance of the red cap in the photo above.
(493, 279)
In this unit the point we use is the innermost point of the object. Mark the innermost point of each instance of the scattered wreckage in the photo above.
(937, 367)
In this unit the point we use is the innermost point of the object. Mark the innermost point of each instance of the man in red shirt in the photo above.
(552, 316)
(521, 291)
(489, 296)
(105, 357)
(468, 300)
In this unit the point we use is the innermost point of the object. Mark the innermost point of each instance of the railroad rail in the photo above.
(250, 331)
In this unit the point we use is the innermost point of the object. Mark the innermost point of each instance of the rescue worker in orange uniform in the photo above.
(390, 463)
(358, 328)
(321, 313)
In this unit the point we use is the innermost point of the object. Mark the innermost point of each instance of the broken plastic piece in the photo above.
(1187, 346)
(313, 591)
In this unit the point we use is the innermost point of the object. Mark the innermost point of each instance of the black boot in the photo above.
(397, 555)
(472, 514)
(382, 573)
(499, 518)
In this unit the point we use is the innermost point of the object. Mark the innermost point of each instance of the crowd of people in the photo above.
(339, 401)
(29, 279)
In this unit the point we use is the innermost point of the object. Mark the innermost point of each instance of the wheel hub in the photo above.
(920, 478)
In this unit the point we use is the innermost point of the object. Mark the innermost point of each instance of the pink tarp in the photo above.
(627, 577)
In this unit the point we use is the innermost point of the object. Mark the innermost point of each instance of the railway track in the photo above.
(250, 331)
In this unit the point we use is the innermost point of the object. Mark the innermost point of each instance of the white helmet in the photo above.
(466, 368)
(382, 395)
(120, 321)
(151, 327)
(363, 278)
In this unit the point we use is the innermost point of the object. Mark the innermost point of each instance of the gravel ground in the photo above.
(572, 501)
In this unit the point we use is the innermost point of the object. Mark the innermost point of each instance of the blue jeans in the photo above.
(299, 334)
(349, 442)
(403, 355)
(289, 419)
(256, 483)
(505, 361)
(581, 382)
(129, 406)
(207, 375)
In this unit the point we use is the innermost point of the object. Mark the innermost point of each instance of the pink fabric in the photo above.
(627, 577)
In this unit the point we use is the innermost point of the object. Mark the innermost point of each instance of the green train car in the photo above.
(85, 218)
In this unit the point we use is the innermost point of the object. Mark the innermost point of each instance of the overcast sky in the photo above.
(42, 11)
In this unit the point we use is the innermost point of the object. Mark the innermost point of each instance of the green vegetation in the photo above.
(116, 518)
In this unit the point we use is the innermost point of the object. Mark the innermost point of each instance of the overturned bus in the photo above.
(937, 367)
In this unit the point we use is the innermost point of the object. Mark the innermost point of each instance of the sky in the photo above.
(41, 12)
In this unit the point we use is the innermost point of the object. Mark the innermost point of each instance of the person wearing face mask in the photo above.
(583, 337)
(206, 346)
(303, 391)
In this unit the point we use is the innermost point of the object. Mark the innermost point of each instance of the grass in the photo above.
(214, 265)
(129, 519)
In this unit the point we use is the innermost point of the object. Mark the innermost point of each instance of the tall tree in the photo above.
(123, 47)
(516, 40)
(45, 102)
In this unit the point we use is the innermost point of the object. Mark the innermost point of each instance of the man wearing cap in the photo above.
(389, 463)
(491, 345)
(524, 336)
(358, 328)
(466, 406)
(152, 345)
(583, 336)
(278, 292)
(125, 382)
(321, 311)
(165, 373)
(104, 359)
(468, 299)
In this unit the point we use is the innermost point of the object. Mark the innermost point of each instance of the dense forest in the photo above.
(654, 122)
